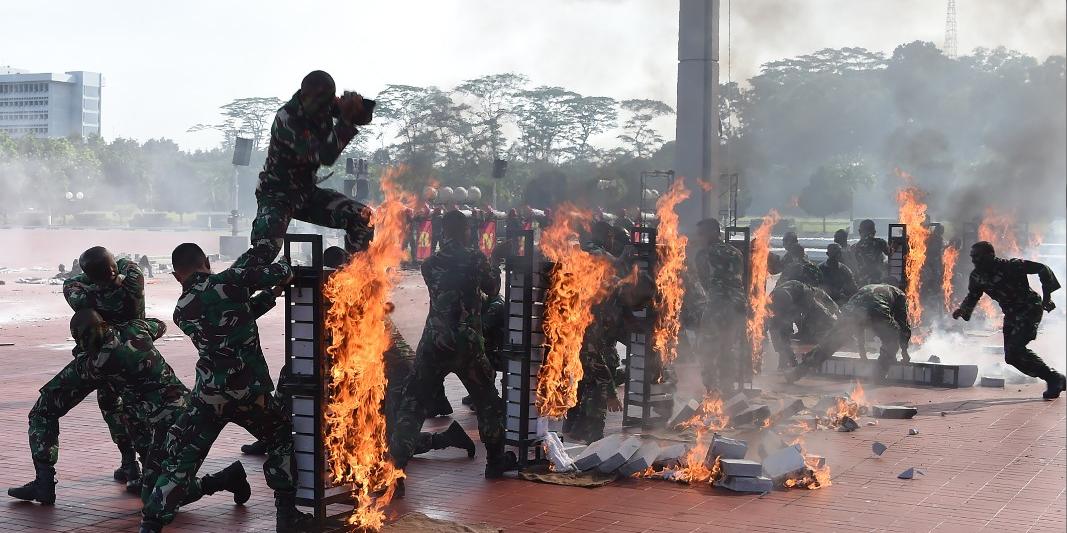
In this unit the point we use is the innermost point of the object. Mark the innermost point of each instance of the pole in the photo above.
(233, 214)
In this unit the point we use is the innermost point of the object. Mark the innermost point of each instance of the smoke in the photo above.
(982, 345)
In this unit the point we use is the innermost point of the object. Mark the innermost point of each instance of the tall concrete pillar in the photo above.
(697, 131)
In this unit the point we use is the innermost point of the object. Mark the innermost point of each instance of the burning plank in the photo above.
(669, 286)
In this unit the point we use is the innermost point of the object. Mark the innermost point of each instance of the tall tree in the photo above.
(638, 132)
(592, 115)
(496, 97)
(546, 120)
(249, 117)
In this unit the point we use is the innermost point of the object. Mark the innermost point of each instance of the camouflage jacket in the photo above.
(218, 312)
(1005, 281)
(456, 278)
(837, 281)
(720, 269)
(801, 269)
(299, 146)
(131, 364)
(809, 307)
(115, 303)
(599, 356)
(869, 253)
(879, 303)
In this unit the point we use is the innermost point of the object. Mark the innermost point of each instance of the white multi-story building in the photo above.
(49, 104)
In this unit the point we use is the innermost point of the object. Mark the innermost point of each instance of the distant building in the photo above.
(49, 104)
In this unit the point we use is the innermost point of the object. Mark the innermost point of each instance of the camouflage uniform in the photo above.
(218, 312)
(599, 360)
(810, 308)
(1005, 282)
(869, 253)
(455, 276)
(838, 281)
(880, 307)
(720, 269)
(114, 303)
(495, 329)
(287, 187)
(800, 269)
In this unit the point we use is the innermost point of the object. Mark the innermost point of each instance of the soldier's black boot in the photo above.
(453, 437)
(1057, 383)
(130, 469)
(133, 486)
(289, 518)
(233, 479)
(256, 448)
(41, 489)
(148, 526)
(496, 466)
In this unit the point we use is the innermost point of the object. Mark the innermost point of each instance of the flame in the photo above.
(705, 185)
(692, 467)
(710, 416)
(949, 257)
(852, 407)
(815, 476)
(355, 439)
(578, 282)
(912, 213)
(997, 228)
(669, 286)
(758, 297)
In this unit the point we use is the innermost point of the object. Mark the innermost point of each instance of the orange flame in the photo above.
(578, 282)
(693, 468)
(705, 185)
(758, 298)
(355, 439)
(998, 229)
(949, 257)
(852, 407)
(670, 288)
(912, 213)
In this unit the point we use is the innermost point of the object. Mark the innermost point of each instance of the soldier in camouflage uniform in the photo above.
(882, 308)
(457, 276)
(115, 289)
(304, 137)
(797, 267)
(869, 254)
(218, 312)
(122, 357)
(837, 278)
(841, 239)
(720, 270)
(1005, 281)
(796, 303)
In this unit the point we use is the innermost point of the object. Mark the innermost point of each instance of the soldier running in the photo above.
(218, 312)
(1005, 281)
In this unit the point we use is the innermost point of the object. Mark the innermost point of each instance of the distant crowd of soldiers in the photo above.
(164, 430)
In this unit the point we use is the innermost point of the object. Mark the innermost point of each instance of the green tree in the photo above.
(546, 121)
(832, 186)
(592, 115)
(247, 117)
(638, 133)
(495, 98)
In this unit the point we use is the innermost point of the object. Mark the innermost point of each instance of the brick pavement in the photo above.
(994, 462)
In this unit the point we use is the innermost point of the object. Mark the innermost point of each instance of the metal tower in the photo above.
(950, 30)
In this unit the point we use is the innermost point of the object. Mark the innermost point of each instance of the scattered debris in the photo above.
(670, 456)
(987, 381)
(642, 459)
(558, 457)
(726, 448)
(783, 463)
(913, 431)
(910, 473)
(736, 405)
(899, 412)
(872, 423)
(759, 484)
(597, 452)
(684, 414)
(786, 409)
(622, 454)
(878, 448)
(933, 359)
(741, 468)
(769, 442)
(755, 414)
(847, 424)
(942, 413)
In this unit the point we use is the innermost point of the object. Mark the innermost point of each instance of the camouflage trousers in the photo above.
(720, 349)
(322, 207)
(1020, 327)
(846, 331)
(189, 440)
(64, 391)
(586, 419)
(464, 356)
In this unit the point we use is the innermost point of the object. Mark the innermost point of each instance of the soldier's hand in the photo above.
(1048, 306)
(353, 110)
(614, 405)
(958, 313)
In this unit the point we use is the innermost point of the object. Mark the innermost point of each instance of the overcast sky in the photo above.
(169, 65)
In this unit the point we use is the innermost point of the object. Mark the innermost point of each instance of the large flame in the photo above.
(670, 247)
(949, 257)
(853, 406)
(912, 213)
(578, 282)
(354, 436)
(693, 467)
(815, 475)
(997, 228)
(758, 298)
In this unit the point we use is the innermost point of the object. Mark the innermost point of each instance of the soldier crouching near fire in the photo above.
(882, 308)
(303, 137)
(1005, 281)
(809, 308)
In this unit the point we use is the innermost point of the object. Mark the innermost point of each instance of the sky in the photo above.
(170, 65)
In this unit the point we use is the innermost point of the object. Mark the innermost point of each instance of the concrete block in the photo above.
(825, 403)
(644, 457)
(899, 412)
(993, 382)
(815, 461)
(755, 414)
(910, 473)
(736, 404)
(725, 448)
(913, 431)
(783, 463)
(597, 452)
(847, 425)
(741, 468)
(686, 412)
(622, 454)
(878, 448)
(768, 443)
(746, 484)
(786, 409)
(670, 456)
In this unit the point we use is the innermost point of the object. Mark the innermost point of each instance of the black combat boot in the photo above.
(289, 518)
(504, 462)
(133, 486)
(41, 489)
(453, 437)
(233, 479)
(256, 448)
(130, 468)
(1057, 383)
(148, 526)
(399, 491)
(468, 401)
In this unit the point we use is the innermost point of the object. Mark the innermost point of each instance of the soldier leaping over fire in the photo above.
(309, 131)
(1004, 280)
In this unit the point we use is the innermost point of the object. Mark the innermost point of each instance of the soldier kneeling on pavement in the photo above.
(809, 308)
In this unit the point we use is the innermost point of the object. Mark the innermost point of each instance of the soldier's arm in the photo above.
(780, 337)
(488, 277)
(77, 293)
(261, 302)
(256, 276)
(133, 277)
(156, 327)
(849, 284)
(1049, 283)
(288, 131)
(974, 293)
